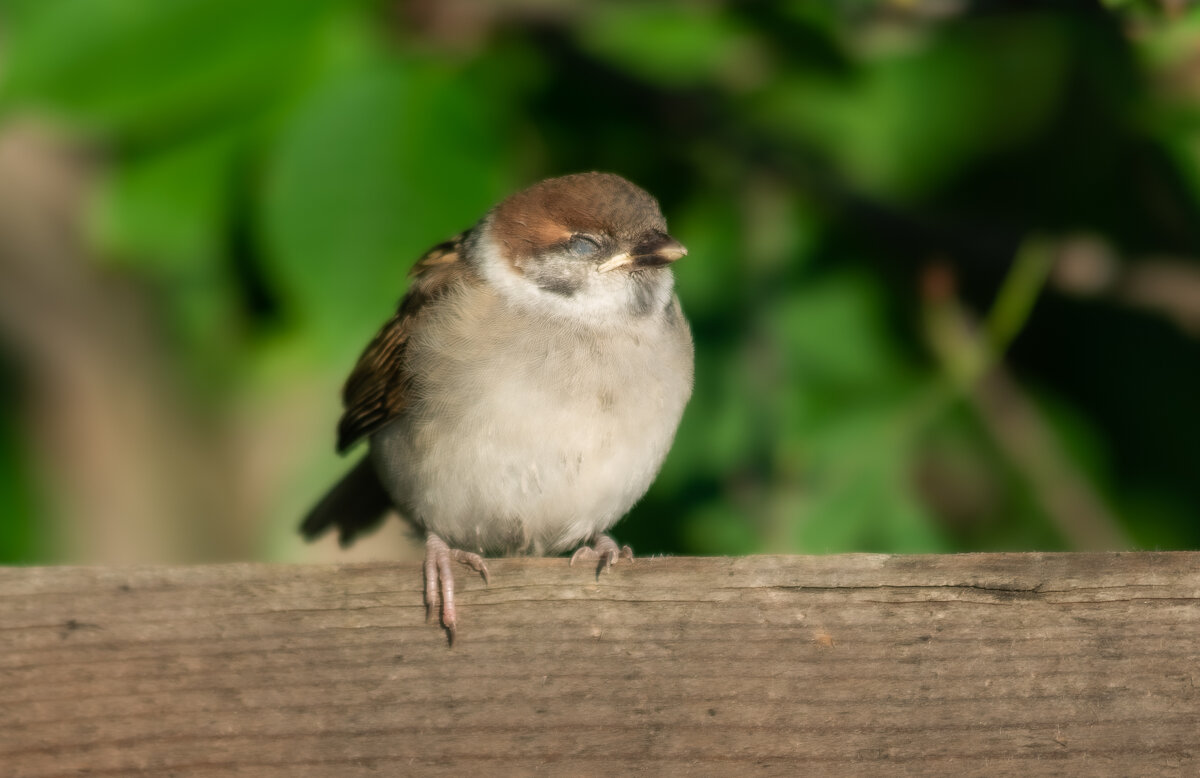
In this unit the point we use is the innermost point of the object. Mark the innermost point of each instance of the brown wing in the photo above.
(377, 389)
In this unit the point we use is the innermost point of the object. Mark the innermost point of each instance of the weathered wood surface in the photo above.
(974, 665)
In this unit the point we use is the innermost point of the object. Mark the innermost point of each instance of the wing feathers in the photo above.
(377, 390)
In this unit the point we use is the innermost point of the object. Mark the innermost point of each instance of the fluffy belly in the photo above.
(537, 479)
(527, 436)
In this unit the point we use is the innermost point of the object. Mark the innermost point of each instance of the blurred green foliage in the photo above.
(853, 181)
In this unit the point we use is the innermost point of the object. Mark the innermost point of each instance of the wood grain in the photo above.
(973, 665)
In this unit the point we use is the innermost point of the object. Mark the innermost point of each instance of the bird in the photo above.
(527, 389)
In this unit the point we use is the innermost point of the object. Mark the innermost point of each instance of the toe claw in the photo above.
(605, 550)
(583, 552)
(439, 581)
(473, 561)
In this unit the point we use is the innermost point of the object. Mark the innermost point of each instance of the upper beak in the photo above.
(657, 250)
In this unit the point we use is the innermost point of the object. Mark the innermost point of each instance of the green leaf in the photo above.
(719, 528)
(832, 333)
(677, 45)
(857, 490)
(707, 280)
(145, 68)
(167, 209)
(915, 115)
(383, 163)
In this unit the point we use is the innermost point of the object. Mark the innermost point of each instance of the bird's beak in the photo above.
(620, 260)
(657, 250)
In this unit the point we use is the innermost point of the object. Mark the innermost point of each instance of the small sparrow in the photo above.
(524, 395)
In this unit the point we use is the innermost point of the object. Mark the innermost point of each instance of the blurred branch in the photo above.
(1017, 295)
(1085, 266)
(971, 355)
(1016, 424)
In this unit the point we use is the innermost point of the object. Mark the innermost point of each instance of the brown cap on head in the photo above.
(551, 211)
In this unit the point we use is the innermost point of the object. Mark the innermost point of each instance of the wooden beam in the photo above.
(971, 665)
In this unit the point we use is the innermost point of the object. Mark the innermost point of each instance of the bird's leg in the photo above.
(604, 549)
(439, 580)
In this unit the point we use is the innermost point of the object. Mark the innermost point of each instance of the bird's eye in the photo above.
(583, 245)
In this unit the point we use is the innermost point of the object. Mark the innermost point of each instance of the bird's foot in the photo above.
(439, 580)
(605, 550)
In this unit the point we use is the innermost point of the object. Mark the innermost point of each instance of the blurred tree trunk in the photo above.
(127, 472)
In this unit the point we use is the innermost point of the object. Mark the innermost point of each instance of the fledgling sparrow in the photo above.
(524, 395)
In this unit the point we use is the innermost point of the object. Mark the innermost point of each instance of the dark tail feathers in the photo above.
(356, 504)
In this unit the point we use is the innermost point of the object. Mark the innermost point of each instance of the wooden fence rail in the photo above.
(971, 665)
